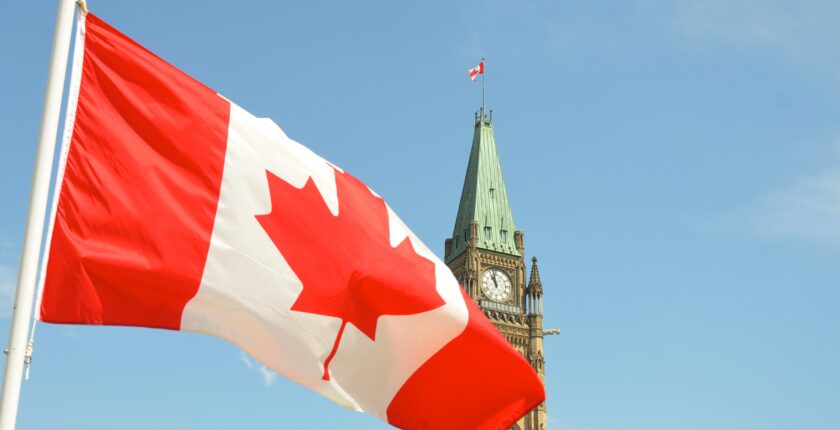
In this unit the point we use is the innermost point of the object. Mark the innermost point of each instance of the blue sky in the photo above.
(675, 166)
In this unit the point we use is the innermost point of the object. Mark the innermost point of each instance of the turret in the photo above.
(535, 342)
(534, 290)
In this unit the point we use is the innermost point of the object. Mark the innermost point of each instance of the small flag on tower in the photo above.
(477, 70)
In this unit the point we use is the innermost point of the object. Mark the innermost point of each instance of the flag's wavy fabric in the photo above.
(177, 209)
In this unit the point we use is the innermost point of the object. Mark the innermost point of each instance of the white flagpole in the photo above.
(22, 311)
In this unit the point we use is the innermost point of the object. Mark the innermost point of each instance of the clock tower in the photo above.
(487, 254)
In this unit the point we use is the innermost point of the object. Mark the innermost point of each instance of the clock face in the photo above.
(496, 285)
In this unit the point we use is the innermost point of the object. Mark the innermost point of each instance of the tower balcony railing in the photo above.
(504, 307)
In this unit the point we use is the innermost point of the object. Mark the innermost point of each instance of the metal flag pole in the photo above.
(22, 310)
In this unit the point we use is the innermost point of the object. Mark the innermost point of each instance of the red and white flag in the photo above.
(477, 70)
(177, 209)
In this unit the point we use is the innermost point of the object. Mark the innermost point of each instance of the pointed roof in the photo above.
(535, 282)
(484, 197)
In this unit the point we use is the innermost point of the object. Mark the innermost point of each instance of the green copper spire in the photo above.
(484, 199)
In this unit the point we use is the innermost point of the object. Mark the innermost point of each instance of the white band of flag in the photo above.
(477, 70)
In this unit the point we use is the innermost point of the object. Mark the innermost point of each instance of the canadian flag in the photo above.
(477, 70)
(177, 209)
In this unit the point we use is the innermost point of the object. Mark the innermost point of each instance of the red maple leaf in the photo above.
(346, 264)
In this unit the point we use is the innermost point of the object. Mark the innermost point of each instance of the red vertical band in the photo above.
(479, 402)
(139, 192)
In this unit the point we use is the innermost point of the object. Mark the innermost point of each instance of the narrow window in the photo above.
(488, 233)
(492, 192)
(465, 236)
(503, 233)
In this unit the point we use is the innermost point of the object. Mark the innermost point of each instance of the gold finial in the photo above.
(82, 5)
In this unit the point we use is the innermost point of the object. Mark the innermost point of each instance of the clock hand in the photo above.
(495, 282)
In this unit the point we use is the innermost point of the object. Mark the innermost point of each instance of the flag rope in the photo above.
(27, 357)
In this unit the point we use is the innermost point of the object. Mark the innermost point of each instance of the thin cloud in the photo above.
(7, 289)
(807, 210)
(8, 276)
(268, 376)
(245, 359)
(798, 29)
(6, 252)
